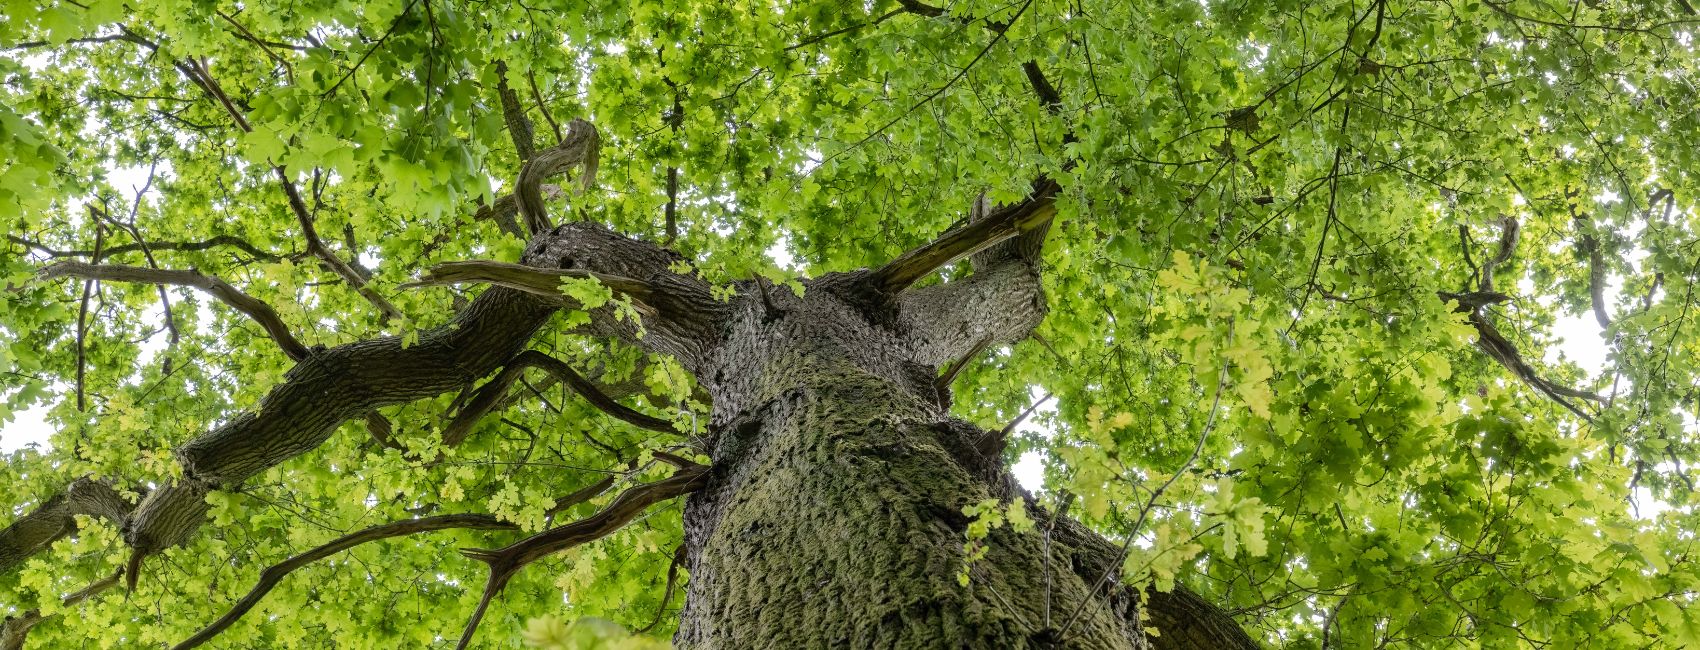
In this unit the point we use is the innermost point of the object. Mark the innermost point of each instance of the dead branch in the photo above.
(1001, 224)
(580, 148)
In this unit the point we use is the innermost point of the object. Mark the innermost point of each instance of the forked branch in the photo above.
(505, 562)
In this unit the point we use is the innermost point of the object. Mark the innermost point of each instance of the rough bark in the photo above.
(833, 513)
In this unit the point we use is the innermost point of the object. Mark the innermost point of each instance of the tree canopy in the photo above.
(1302, 276)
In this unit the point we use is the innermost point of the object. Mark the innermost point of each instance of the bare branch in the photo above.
(507, 561)
(262, 313)
(272, 575)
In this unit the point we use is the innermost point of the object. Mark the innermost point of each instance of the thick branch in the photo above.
(254, 308)
(56, 518)
(272, 575)
(507, 561)
(333, 386)
(513, 113)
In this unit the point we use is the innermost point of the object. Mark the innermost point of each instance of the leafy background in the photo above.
(1262, 201)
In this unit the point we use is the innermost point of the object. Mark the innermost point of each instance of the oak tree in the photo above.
(721, 324)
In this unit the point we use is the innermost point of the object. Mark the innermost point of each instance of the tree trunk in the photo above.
(834, 512)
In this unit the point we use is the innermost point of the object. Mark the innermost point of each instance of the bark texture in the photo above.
(833, 513)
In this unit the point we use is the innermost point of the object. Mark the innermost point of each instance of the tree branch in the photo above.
(1001, 224)
(55, 517)
(332, 386)
(545, 283)
(15, 629)
(254, 308)
(507, 561)
(221, 240)
(274, 574)
(491, 393)
(580, 148)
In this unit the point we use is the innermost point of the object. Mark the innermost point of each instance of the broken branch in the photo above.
(1001, 224)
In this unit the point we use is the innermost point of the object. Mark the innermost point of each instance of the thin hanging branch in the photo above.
(254, 308)
(272, 575)
(507, 561)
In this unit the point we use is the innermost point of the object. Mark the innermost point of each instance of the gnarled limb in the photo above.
(56, 518)
(254, 308)
(507, 561)
(1000, 302)
(272, 575)
(580, 148)
(335, 385)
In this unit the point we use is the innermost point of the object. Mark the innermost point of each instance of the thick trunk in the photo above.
(834, 512)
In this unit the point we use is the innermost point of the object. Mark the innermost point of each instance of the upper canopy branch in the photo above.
(262, 313)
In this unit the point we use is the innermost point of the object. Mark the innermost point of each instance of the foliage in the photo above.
(1260, 382)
